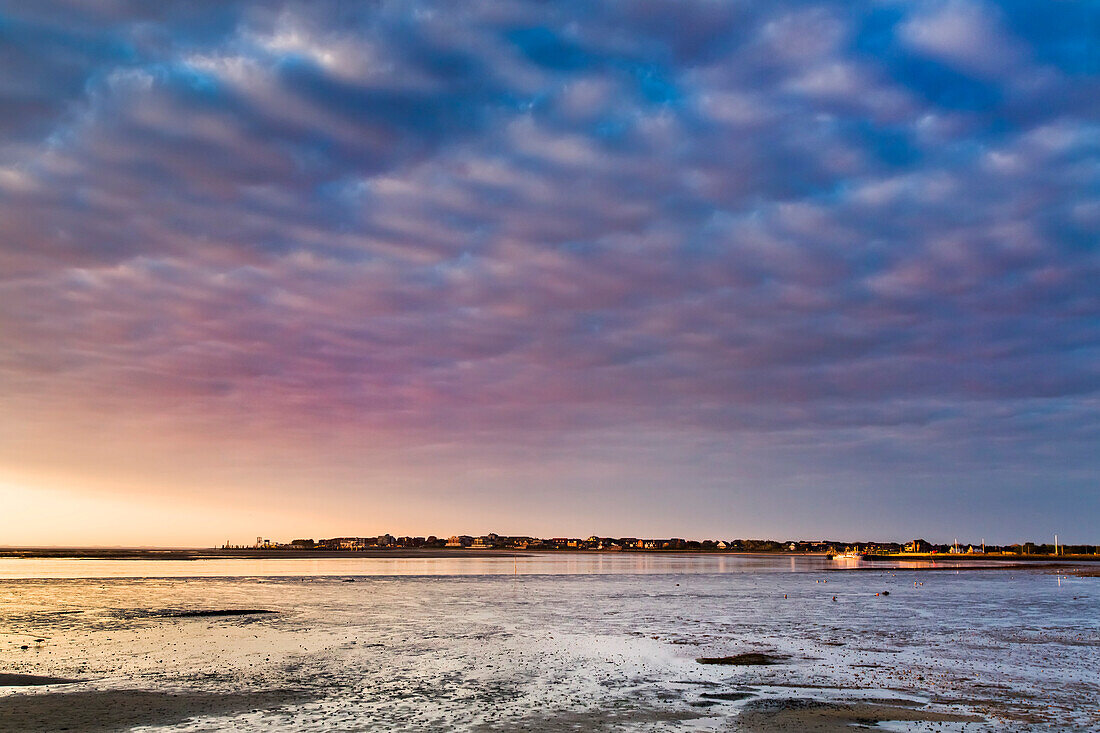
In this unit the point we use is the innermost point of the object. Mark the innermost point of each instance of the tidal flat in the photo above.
(543, 643)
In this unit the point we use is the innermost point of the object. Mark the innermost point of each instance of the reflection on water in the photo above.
(495, 643)
(528, 564)
(571, 563)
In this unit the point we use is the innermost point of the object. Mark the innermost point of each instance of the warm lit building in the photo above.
(346, 543)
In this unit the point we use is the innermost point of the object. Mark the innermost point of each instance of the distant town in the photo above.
(493, 541)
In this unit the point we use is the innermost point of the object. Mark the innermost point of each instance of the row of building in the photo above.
(493, 541)
(513, 542)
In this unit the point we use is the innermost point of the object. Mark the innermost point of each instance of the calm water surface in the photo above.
(556, 642)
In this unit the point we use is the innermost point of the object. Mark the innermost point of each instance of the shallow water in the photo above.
(559, 642)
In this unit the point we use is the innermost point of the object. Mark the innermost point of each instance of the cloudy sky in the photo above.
(663, 267)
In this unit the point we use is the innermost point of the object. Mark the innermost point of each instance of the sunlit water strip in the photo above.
(560, 563)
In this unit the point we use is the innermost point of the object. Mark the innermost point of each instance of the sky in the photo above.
(653, 268)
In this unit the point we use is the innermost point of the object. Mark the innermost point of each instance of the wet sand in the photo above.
(104, 711)
(101, 711)
(31, 680)
(213, 613)
(743, 660)
(803, 714)
(596, 721)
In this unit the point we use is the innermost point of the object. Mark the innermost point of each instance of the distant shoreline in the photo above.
(81, 553)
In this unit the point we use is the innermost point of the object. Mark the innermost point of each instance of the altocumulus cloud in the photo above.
(864, 227)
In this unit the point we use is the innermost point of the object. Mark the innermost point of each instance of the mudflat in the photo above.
(551, 643)
(31, 680)
(100, 711)
(802, 714)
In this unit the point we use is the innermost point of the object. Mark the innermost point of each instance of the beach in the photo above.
(543, 642)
